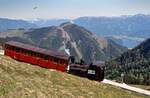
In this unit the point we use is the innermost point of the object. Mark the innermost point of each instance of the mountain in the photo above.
(80, 42)
(133, 27)
(72, 38)
(110, 47)
(49, 22)
(14, 24)
(134, 64)
(22, 80)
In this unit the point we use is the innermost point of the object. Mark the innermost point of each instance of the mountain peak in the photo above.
(66, 24)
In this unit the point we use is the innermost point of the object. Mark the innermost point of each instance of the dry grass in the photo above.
(22, 80)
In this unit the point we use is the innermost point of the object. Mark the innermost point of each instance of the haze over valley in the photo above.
(128, 31)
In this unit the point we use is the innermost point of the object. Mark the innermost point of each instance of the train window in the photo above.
(46, 57)
(51, 59)
(12, 48)
(34, 54)
(8, 47)
(56, 60)
(61, 61)
(30, 53)
(38, 55)
(17, 49)
(25, 52)
(22, 51)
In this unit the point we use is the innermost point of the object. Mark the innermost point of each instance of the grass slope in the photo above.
(22, 80)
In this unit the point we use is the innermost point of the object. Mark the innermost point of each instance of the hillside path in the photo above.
(127, 87)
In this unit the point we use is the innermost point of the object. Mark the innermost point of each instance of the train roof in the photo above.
(99, 63)
(38, 50)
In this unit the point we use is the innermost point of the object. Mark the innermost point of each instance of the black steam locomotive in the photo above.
(93, 71)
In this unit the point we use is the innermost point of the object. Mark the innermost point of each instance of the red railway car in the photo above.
(38, 56)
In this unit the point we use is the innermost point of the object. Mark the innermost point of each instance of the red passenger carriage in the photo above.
(38, 56)
(53, 60)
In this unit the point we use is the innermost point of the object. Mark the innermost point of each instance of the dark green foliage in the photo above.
(135, 64)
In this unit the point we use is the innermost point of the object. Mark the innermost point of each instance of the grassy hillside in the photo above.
(22, 80)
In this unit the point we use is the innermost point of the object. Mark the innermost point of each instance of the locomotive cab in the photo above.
(96, 71)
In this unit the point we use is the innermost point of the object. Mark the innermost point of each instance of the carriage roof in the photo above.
(38, 50)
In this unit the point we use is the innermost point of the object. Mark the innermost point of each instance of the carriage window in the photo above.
(34, 54)
(56, 60)
(46, 57)
(38, 55)
(12, 48)
(17, 49)
(60, 61)
(50, 59)
(25, 52)
(22, 51)
(30, 53)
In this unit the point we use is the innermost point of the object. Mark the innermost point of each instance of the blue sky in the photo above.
(46, 9)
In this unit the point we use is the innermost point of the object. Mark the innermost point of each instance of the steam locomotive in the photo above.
(54, 60)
